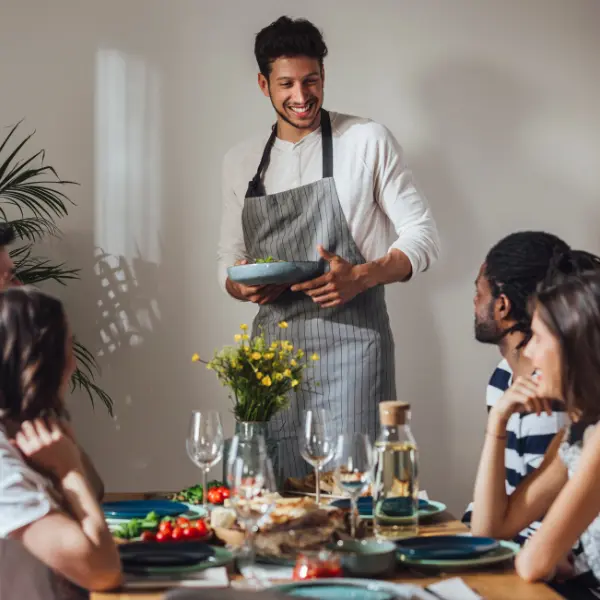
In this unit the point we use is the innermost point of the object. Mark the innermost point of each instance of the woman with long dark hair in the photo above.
(565, 490)
(53, 529)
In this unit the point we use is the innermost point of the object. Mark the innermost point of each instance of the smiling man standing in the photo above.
(330, 187)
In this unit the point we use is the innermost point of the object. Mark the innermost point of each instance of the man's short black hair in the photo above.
(288, 37)
(516, 266)
(7, 234)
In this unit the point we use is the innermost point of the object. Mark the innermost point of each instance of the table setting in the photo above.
(357, 527)
(238, 543)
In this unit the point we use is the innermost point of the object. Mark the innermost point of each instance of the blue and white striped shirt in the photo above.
(528, 437)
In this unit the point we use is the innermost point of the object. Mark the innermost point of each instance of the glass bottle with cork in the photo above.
(396, 487)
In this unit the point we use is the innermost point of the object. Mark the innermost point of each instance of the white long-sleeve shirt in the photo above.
(381, 204)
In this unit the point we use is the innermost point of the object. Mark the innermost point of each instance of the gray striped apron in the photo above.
(354, 341)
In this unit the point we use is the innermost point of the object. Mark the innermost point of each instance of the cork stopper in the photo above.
(393, 412)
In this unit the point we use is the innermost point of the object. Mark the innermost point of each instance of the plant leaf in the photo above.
(10, 134)
(34, 228)
(32, 190)
(31, 270)
(82, 381)
(6, 164)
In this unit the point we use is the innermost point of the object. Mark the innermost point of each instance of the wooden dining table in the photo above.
(496, 583)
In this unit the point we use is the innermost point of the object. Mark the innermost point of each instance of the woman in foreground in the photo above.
(565, 490)
(52, 529)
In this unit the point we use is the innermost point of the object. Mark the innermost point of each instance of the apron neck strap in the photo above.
(256, 187)
(327, 142)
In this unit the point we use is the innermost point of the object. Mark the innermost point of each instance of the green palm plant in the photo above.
(32, 201)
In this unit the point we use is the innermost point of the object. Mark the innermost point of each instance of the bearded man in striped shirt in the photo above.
(510, 274)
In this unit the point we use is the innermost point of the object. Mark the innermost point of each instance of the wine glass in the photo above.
(354, 464)
(204, 444)
(318, 442)
(253, 489)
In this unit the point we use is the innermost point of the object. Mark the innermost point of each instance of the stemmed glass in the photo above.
(317, 444)
(204, 444)
(354, 464)
(253, 487)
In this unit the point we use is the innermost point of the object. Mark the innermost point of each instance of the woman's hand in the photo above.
(522, 396)
(48, 448)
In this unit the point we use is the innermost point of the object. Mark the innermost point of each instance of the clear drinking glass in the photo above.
(204, 443)
(317, 444)
(253, 489)
(354, 464)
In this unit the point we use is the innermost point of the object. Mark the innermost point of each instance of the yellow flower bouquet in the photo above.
(259, 373)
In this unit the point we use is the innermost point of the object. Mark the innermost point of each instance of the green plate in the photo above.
(221, 558)
(432, 509)
(350, 589)
(506, 551)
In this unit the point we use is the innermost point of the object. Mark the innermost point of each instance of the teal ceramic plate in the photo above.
(451, 547)
(194, 511)
(427, 508)
(138, 509)
(505, 551)
(275, 273)
(220, 558)
(351, 589)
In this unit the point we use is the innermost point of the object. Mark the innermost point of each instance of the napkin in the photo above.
(267, 574)
(453, 589)
(215, 577)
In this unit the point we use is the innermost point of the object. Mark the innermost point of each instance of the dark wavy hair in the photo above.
(570, 309)
(288, 37)
(33, 334)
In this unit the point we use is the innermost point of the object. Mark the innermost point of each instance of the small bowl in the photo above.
(366, 558)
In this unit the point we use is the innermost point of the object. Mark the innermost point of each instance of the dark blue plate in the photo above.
(445, 547)
(144, 555)
(138, 509)
(365, 505)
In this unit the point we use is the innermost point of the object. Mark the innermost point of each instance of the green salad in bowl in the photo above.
(262, 261)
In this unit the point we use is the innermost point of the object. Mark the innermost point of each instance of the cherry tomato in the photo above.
(183, 522)
(177, 533)
(148, 536)
(162, 537)
(215, 496)
(165, 527)
(190, 533)
(310, 568)
(225, 492)
(201, 527)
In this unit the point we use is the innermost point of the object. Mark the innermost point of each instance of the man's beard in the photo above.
(488, 332)
(296, 125)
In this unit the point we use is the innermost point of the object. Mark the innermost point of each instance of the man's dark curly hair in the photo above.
(288, 37)
(525, 262)
(515, 267)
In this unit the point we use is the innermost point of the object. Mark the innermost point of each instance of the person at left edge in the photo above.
(332, 187)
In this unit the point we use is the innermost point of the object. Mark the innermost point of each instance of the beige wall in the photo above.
(496, 104)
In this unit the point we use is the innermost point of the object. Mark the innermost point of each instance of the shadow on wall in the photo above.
(121, 310)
